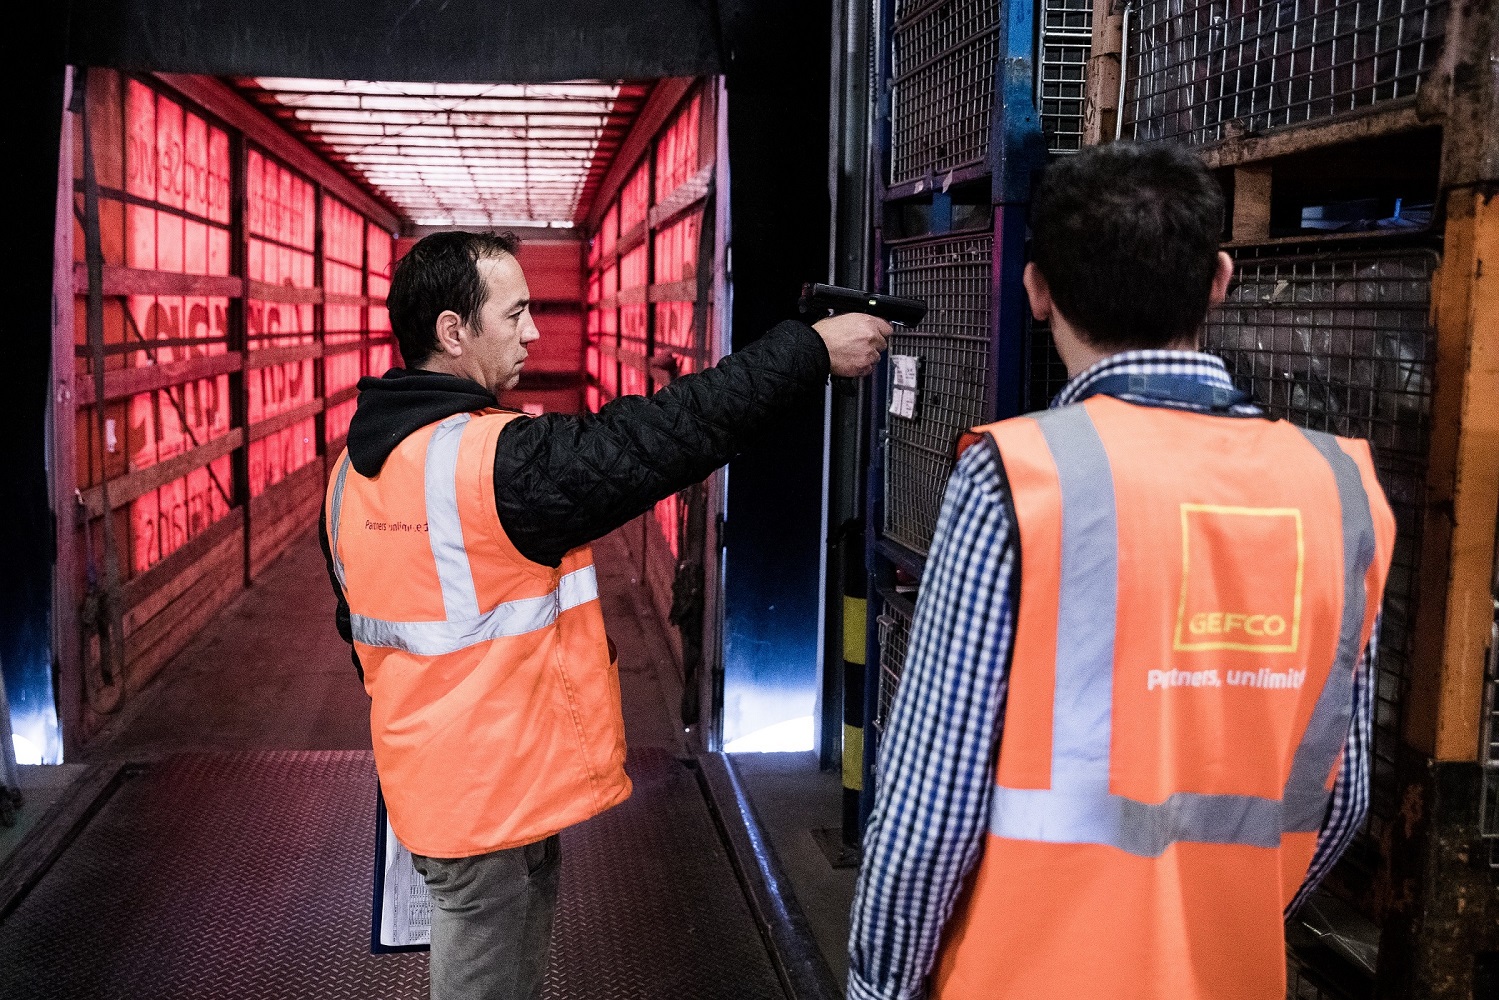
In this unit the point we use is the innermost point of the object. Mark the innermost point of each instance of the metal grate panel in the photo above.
(1066, 42)
(1197, 66)
(1046, 374)
(1341, 343)
(952, 345)
(945, 59)
(895, 634)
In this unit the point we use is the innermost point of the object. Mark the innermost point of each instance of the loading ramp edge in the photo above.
(787, 933)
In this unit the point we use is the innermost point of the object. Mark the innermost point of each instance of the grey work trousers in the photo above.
(492, 921)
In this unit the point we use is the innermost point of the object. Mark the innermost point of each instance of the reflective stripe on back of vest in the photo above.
(1078, 808)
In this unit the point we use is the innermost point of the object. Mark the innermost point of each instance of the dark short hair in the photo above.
(437, 274)
(1126, 236)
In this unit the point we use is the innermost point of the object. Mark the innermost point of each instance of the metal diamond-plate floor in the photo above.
(247, 875)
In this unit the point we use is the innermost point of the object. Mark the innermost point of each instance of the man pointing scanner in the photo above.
(494, 701)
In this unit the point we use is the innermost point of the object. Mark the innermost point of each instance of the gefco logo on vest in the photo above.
(1242, 576)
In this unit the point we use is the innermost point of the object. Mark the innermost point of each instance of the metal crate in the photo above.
(1066, 42)
(952, 345)
(1195, 67)
(895, 635)
(945, 57)
(1341, 342)
(1045, 372)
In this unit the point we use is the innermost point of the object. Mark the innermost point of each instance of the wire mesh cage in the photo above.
(894, 634)
(1194, 67)
(1045, 372)
(1341, 342)
(945, 57)
(951, 348)
(1066, 42)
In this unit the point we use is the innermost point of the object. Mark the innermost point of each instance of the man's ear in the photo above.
(449, 336)
(1038, 291)
(1221, 278)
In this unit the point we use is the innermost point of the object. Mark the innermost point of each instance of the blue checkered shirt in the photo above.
(936, 764)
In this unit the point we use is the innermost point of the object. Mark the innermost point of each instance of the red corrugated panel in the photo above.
(635, 199)
(666, 519)
(609, 233)
(677, 149)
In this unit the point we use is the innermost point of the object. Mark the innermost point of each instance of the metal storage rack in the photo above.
(945, 56)
(894, 625)
(1200, 70)
(953, 274)
(1340, 341)
(978, 92)
(1066, 42)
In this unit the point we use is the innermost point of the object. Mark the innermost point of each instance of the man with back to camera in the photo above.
(456, 537)
(1132, 732)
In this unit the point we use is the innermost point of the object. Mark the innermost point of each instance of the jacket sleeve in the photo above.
(341, 614)
(563, 480)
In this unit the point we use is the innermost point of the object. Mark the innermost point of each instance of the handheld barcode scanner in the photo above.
(819, 300)
(828, 299)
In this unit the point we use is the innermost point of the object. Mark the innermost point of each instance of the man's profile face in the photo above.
(503, 327)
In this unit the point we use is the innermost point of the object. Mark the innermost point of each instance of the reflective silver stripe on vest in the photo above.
(444, 525)
(334, 516)
(445, 535)
(1306, 794)
(508, 619)
(1078, 808)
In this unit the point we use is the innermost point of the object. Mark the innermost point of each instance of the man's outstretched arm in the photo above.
(562, 480)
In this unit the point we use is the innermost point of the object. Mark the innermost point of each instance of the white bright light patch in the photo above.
(783, 737)
(27, 752)
(478, 153)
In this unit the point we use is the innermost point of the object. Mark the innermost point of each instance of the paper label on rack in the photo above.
(903, 403)
(903, 367)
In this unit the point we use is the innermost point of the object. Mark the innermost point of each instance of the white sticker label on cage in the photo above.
(903, 367)
(903, 403)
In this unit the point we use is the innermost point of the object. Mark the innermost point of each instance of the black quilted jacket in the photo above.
(562, 480)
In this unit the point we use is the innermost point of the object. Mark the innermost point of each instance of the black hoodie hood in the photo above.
(401, 402)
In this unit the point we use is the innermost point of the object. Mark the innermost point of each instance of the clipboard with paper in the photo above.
(401, 913)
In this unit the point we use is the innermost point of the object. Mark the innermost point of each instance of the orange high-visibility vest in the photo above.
(494, 705)
(1195, 593)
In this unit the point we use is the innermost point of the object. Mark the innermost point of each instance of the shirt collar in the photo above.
(1195, 365)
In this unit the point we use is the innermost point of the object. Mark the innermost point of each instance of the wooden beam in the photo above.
(674, 291)
(267, 356)
(1101, 97)
(1455, 614)
(221, 100)
(1252, 203)
(281, 421)
(1386, 118)
(124, 383)
(268, 292)
(134, 485)
(138, 281)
